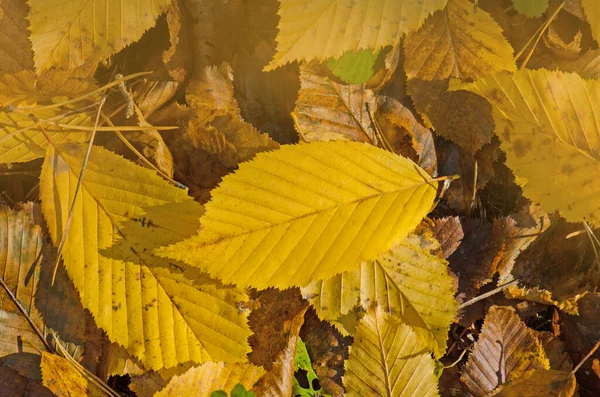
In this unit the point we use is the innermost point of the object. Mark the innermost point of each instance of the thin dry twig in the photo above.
(72, 209)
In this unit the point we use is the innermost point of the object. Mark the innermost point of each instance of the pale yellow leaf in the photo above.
(504, 352)
(548, 126)
(407, 282)
(307, 212)
(320, 29)
(388, 359)
(163, 313)
(69, 34)
(457, 42)
(201, 381)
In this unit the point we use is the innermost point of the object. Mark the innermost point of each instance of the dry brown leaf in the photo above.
(449, 233)
(559, 47)
(406, 135)
(20, 375)
(505, 351)
(556, 270)
(580, 333)
(214, 139)
(325, 107)
(276, 324)
(460, 116)
(328, 349)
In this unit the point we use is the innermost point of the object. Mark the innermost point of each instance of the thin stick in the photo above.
(544, 27)
(89, 94)
(596, 346)
(476, 171)
(378, 133)
(89, 375)
(121, 128)
(487, 294)
(137, 152)
(594, 241)
(72, 209)
(24, 312)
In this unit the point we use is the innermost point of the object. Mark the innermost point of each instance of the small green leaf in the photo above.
(531, 8)
(218, 393)
(354, 67)
(240, 391)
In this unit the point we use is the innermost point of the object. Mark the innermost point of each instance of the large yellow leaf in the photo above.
(407, 282)
(71, 33)
(161, 312)
(388, 359)
(201, 381)
(307, 212)
(548, 126)
(321, 29)
(505, 351)
(457, 42)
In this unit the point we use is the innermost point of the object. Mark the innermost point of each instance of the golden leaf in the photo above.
(327, 28)
(162, 313)
(307, 212)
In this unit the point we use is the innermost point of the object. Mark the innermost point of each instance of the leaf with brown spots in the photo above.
(547, 125)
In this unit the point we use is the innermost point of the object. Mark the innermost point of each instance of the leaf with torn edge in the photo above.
(387, 359)
(307, 212)
(408, 282)
(162, 313)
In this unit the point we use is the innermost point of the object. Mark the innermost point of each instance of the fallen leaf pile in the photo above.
(299, 198)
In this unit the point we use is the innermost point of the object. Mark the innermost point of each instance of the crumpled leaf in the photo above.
(328, 28)
(286, 236)
(406, 282)
(457, 42)
(449, 233)
(388, 359)
(80, 32)
(200, 315)
(201, 381)
(559, 47)
(547, 129)
(505, 351)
